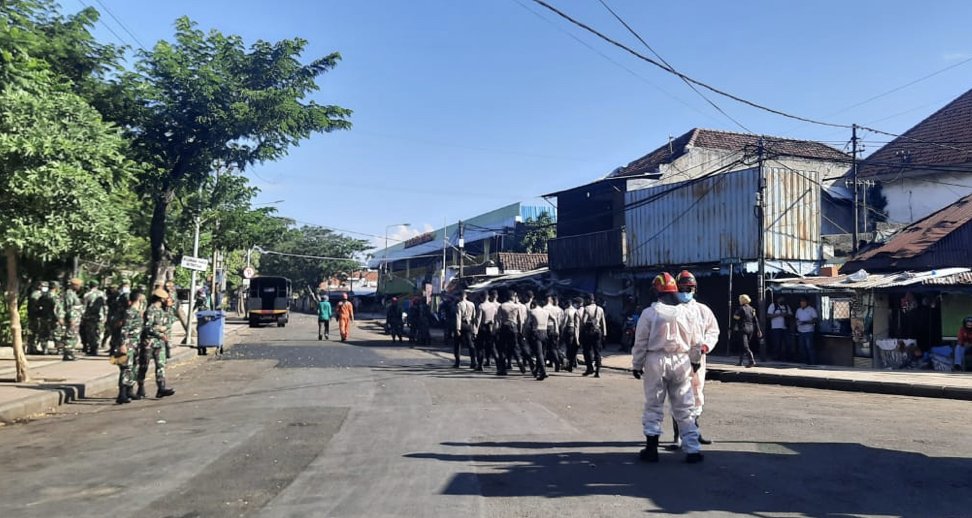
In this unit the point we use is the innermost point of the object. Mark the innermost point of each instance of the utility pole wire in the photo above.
(657, 55)
(119, 22)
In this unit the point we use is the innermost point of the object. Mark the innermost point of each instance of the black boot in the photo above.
(68, 356)
(163, 392)
(702, 440)
(677, 441)
(693, 458)
(650, 451)
(141, 391)
(122, 396)
(132, 395)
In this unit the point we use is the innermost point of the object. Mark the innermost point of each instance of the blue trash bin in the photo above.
(209, 326)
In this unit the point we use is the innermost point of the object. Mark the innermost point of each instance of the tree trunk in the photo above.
(157, 234)
(23, 370)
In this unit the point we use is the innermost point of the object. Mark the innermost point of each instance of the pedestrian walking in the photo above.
(155, 324)
(555, 321)
(324, 314)
(345, 316)
(745, 329)
(507, 325)
(665, 352)
(34, 317)
(570, 333)
(806, 320)
(536, 326)
(706, 336)
(393, 319)
(450, 334)
(93, 320)
(126, 354)
(73, 311)
(593, 330)
(780, 315)
(466, 323)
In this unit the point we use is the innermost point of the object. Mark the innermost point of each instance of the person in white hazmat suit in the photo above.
(708, 336)
(666, 351)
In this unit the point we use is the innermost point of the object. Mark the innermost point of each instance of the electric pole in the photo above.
(761, 221)
(462, 244)
(854, 181)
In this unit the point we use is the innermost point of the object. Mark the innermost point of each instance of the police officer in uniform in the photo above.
(507, 325)
(569, 333)
(536, 327)
(592, 332)
(466, 324)
(554, 323)
(484, 331)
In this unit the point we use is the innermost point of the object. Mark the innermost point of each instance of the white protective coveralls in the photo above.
(709, 336)
(666, 337)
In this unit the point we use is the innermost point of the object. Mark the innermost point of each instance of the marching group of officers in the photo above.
(137, 328)
(508, 328)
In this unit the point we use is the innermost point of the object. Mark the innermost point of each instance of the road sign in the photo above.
(195, 263)
(248, 272)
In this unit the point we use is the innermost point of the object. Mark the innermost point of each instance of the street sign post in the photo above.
(248, 272)
(194, 263)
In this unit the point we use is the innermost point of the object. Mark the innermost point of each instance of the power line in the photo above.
(670, 70)
(105, 25)
(616, 63)
(657, 55)
(119, 22)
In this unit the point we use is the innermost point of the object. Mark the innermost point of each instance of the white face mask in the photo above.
(44, 290)
(126, 291)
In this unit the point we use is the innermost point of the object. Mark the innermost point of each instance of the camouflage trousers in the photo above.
(70, 336)
(126, 374)
(91, 335)
(156, 355)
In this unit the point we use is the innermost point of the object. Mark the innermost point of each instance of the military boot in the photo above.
(132, 395)
(122, 396)
(650, 451)
(141, 391)
(163, 392)
(68, 356)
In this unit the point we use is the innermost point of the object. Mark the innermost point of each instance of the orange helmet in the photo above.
(686, 279)
(665, 283)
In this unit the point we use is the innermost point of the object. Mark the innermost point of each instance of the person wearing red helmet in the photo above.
(666, 340)
(707, 335)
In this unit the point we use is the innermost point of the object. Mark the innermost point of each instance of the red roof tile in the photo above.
(728, 141)
(943, 138)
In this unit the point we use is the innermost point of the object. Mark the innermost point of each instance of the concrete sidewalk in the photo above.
(56, 382)
(949, 385)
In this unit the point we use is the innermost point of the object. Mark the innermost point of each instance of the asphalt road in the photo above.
(286, 425)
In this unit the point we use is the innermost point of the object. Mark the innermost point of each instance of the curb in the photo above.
(846, 385)
(54, 395)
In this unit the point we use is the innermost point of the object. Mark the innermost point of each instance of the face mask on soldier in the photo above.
(44, 290)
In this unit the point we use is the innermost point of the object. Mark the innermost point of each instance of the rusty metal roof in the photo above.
(942, 277)
(914, 240)
(728, 141)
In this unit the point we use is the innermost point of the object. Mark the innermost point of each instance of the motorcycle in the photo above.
(628, 333)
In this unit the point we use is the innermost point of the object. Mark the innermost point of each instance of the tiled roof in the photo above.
(943, 138)
(522, 262)
(728, 141)
(918, 237)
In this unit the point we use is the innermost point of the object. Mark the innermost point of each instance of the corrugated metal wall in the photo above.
(714, 219)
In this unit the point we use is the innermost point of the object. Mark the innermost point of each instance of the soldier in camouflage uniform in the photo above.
(130, 331)
(172, 308)
(117, 307)
(93, 319)
(55, 301)
(153, 344)
(73, 311)
(111, 296)
(34, 317)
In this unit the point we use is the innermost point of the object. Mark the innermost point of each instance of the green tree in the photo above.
(536, 233)
(206, 101)
(58, 161)
(315, 243)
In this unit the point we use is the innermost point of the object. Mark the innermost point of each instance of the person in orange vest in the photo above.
(345, 316)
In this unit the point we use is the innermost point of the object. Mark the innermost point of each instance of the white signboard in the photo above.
(195, 263)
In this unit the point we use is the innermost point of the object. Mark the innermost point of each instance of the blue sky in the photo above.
(462, 106)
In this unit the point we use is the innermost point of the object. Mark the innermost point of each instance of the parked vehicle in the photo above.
(628, 332)
(268, 301)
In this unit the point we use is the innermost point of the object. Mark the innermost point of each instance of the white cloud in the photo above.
(401, 233)
(955, 56)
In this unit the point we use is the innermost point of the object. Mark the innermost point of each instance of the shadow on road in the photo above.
(820, 480)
